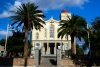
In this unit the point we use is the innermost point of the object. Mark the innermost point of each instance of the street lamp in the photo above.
(89, 39)
(8, 28)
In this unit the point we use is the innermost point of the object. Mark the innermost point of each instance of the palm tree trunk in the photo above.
(72, 46)
(26, 44)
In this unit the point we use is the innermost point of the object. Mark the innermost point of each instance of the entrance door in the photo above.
(51, 45)
(51, 50)
(45, 47)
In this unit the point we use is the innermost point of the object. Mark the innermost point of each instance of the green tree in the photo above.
(2, 42)
(28, 15)
(94, 38)
(15, 43)
(75, 27)
(96, 24)
(79, 51)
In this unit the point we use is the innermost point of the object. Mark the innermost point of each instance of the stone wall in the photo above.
(1, 49)
(16, 62)
(81, 62)
(67, 62)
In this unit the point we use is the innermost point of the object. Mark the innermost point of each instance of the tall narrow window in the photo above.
(37, 35)
(51, 31)
(45, 33)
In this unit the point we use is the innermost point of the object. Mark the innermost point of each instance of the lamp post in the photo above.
(8, 28)
(88, 39)
(6, 40)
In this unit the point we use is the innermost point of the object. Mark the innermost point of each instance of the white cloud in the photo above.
(5, 14)
(10, 7)
(56, 4)
(4, 32)
(45, 5)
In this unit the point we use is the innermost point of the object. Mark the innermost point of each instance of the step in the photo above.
(46, 66)
(47, 61)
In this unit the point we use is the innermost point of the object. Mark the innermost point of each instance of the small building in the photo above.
(47, 38)
(1, 50)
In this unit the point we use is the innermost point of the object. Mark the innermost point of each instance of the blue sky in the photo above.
(88, 9)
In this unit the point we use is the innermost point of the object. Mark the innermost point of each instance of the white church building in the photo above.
(47, 39)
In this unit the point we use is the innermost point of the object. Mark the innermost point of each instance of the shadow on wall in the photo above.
(87, 61)
(16, 62)
(6, 62)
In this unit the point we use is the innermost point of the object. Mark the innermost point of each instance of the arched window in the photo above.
(45, 33)
(51, 31)
(37, 35)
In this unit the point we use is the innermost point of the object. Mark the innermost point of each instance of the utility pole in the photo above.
(6, 40)
(8, 28)
(89, 39)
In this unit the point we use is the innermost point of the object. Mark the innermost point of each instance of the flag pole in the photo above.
(89, 39)
(6, 40)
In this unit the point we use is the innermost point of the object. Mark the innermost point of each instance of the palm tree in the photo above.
(30, 17)
(75, 27)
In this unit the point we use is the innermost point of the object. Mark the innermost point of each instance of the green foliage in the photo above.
(2, 42)
(75, 27)
(28, 15)
(15, 43)
(94, 38)
(95, 44)
(79, 51)
(96, 24)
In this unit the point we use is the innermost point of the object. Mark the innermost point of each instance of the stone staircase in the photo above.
(46, 66)
(48, 62)
(51, 62)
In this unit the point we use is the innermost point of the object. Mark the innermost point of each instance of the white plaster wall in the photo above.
(47, 26)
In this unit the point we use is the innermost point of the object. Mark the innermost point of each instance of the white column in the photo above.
(43, 48)
(63, 47)
(55, 48)
(40, 45)
(69, 45)
(33, 48)
(48, 49)
(47, 52)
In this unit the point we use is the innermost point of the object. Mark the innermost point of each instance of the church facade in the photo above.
(47, 39)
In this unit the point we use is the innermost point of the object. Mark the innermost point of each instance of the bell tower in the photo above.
(65, 14)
